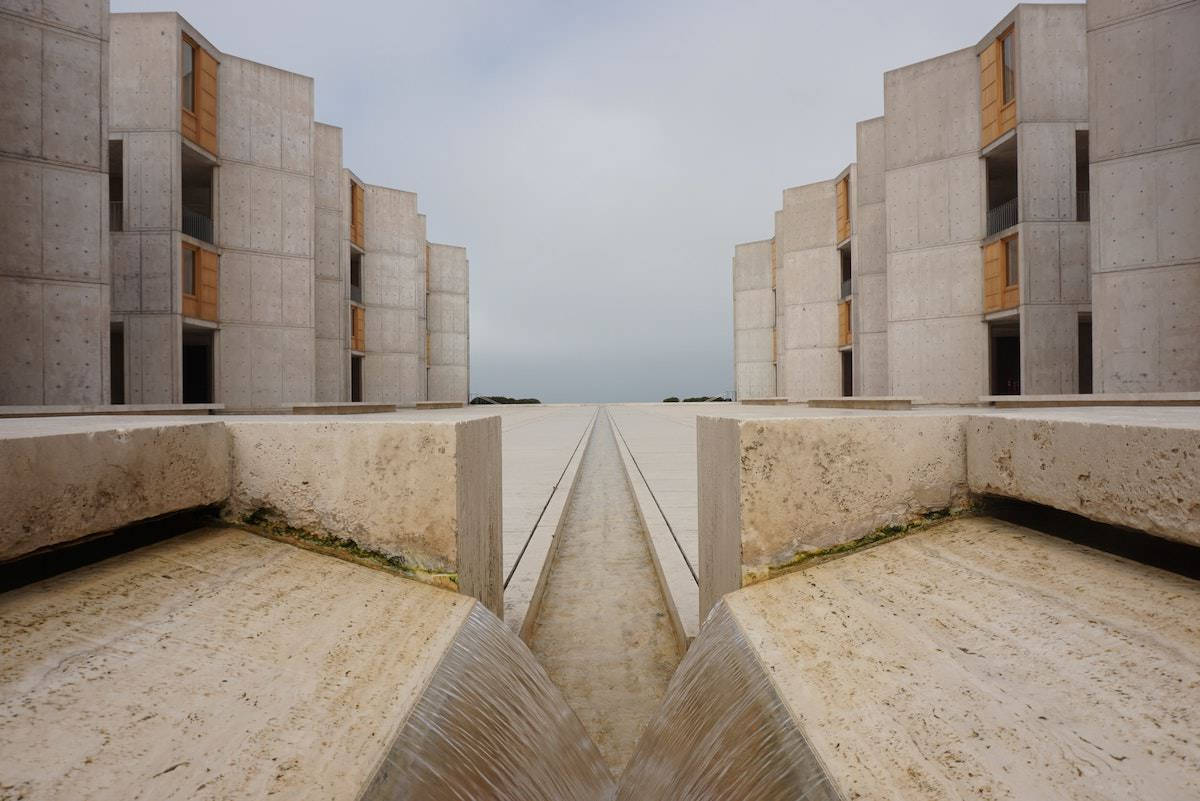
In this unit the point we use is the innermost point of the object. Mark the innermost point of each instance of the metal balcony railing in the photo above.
(197, 225)
(1002, 216)
(846, 288)
(1083, 206)
(116, 215)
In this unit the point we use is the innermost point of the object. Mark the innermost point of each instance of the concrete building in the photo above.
(448, 332)
(754, 338)
(1143, 68)
(54, 263)
(954, 253)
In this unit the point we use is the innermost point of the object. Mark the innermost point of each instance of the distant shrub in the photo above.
(709, 399)
(671, 399)
(487, 400)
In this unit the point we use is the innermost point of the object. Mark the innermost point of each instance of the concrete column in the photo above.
(1145, 189)
(332, 265)
(870, 263)
(449, 324)
(937, 343)
(54, 261)
(753, 321)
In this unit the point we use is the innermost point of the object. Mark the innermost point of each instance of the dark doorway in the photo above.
(847, 373)
(356, 379)
(197, 366)
(1085, 356)
(1006, 359)
(116, 363)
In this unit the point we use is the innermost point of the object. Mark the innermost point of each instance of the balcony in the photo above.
(846, 288)
(1002, 217)
(1083, 206)
(116, 215)
(197, 225)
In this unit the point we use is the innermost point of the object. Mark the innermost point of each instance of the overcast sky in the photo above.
(599, 160)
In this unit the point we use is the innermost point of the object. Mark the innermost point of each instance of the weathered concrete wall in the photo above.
(869, 222)
(449, 323)
(266, 199)
(54, 260)
(394, 242)
(66, 478)
(331, 249)
(1145, 188)
(425, 494)
(754, 520)
(753, 321)
(937, 345)
(1139, 469)
(808, 283)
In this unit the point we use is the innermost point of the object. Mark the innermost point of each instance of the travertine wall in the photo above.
(869, 221)
(937, 345)
(331, 249)
(753, 321)
(1143, 62)
(266, 196)
(54, 259)
(449, 324)
(394, 240)
(808, 282)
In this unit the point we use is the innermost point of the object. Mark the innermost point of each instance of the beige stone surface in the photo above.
(67, 477)
(978, 659)
(1130, 467)
(215, 665)
(425, 492)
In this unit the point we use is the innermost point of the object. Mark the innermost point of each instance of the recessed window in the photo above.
(1007, 64)
(1011, 262)
(189, 271)
(187, 80)
(356, 277)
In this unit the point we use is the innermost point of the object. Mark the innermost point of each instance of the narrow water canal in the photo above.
(603, 634)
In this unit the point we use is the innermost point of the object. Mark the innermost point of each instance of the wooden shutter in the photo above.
(358, 328)
(357, 196)
(208, 285)
(1012, 292)
(843, 209)
(993, 277)
(845, 332)
(206, 101)
(989, 94)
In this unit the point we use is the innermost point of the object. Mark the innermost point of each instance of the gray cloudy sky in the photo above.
(598, 160)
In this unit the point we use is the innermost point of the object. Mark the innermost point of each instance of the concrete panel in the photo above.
(753, 345)
(143, 72)
(297, 231)
(331, 358)
(327, 165)
(939, 359)
(753, 522)
(931, 110)
(21, 358)
(297, 292)
(937, 283)
(1049, 354)
(159, 263)
(73, 88)
(811, 276)
(327, 241)
(1145, 329)
(1135, 470)
(752, 266)
(21, 218)
(448, 269)
(77, 476)
(329, 303)
(266, 289)
(299, 361)
(811, 325)
(448, 382)
(870, 240)
(73, 241)
(381, 377)
(21, 86)
(1074, 255)
(1046, 167)
(447, 313)
(1052, 64)
(871, 364)
(151, 175)
(812, 373)
(266, 208)
(75, 336)
(126, 266)
(871, 158)
(154, 344)
(870, 304)
(237, 282)
(754, 308)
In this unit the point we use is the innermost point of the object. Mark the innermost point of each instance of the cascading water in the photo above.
(723, 732)
(491, 725)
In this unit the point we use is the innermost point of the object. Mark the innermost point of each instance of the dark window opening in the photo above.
(1085, 356)
(197, 179)
(1002, 187)
(187, 78)
(847, 374)
(356, 277)
(188, 271)
(1083, 182)
(1005, 341)
(116, 363)
(116, 185)
(197, 366)
(1012, 261)
(1008, 65)
(356, 379)
(847, 273)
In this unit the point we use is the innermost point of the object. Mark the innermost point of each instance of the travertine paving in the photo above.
(603, 633)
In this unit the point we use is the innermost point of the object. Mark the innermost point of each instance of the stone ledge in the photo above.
(113, 409)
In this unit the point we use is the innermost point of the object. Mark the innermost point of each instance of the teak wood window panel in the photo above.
(198, 95)
(998, 88)
(199, 281)
(1001, 275)
(358, 328)
(357, 198)
(843, 209)
(845, 329)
